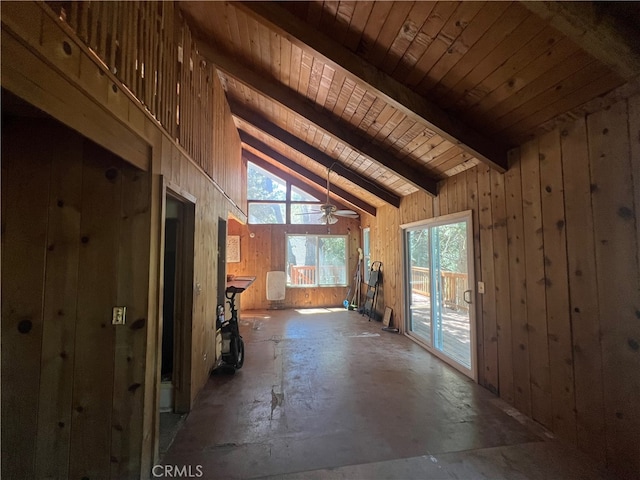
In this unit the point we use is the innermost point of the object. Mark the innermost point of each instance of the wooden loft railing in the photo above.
(149, 48)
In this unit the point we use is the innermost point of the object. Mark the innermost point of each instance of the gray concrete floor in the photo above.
(330, 395)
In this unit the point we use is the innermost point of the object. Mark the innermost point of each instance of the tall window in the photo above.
(267, 195)
(366, 253)
(316, 260)
(271, 200)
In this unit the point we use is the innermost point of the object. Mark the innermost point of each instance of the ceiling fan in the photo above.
(330, 212)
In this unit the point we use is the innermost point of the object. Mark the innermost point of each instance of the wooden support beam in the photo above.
(597, 29)
(334, 127)
(401, 97)
(247, 115)
(322, 182)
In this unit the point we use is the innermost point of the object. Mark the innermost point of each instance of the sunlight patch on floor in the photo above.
(312, 311)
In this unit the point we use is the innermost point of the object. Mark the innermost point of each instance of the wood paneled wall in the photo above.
(556, 241)
(44, 64)
(194, 116)
(266, 251)
(75, 222)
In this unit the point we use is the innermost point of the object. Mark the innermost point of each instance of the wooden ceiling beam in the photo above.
(593, 27)
(260, 123)
(298, 104)
(415, 106)
(322, 182)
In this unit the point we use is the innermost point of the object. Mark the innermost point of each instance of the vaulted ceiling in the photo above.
(395, 96)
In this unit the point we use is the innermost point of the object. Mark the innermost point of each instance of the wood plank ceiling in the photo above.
(398, 94)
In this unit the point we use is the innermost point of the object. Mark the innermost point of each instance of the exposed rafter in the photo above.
(299, 105)
(309, 175)
(240, 111)
(596, 30)
(396, 94)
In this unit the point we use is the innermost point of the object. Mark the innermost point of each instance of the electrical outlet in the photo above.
(119, 315)
(480, 287)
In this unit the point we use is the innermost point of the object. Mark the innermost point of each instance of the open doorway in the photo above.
(222, 260)
(175, 386)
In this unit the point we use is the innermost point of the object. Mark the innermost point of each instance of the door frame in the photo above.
(183, 327)
(467, 216)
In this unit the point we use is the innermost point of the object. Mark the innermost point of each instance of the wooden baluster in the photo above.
(115, 35)
(83, 20)
(72, 18)
(125, 22)
(105, 11)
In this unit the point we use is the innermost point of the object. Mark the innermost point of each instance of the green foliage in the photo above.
(262, 185)
(452, 243)
(453, 247)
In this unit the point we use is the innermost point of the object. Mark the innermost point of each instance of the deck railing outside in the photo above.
(303, 275)
(453, 286)
(307, 275)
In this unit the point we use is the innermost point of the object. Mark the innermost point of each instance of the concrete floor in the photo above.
(330, 395)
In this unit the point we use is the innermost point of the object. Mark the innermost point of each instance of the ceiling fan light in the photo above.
(328, 219)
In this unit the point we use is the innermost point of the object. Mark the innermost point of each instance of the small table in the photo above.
(239, 284)
(234, 286)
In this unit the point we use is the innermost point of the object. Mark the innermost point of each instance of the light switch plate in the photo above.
(480, 287)
(119, 315)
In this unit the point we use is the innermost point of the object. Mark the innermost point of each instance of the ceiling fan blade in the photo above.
(314, 212)
(345, 213)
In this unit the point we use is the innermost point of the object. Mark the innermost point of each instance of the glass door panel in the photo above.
(418, 256)
(439, 296)
(452, 325)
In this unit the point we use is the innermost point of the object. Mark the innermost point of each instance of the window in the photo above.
(267, 196)
(304, 207)
(366, 253)
(270, 201)
(316, 260)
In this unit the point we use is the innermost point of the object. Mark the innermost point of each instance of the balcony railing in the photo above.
(453, 286)
(150, 49)
(305, 276)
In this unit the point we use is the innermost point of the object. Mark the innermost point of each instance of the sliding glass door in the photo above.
(439, 294)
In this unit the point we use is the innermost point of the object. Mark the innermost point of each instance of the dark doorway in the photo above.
(175, 387)
(171, 262)
(222, 259)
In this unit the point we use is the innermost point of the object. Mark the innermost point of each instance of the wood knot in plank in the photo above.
(111, 174)
(25, 326)
(626, 213)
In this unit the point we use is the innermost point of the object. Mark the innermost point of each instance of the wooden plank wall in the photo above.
(77, 89)
(558, 244)
(266, 252)
(75, 411)
(148, 47)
